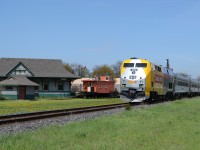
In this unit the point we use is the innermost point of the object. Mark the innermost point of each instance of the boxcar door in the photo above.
(22, 92)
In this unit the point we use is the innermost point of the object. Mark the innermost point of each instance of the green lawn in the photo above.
(19, 106)
(169, 126)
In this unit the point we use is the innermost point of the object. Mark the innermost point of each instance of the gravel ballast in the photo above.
(14, 128)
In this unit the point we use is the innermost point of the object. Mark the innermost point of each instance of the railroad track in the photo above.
(9, 119)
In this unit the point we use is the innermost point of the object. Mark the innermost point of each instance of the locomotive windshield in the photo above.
(141, 65)
(128, 64)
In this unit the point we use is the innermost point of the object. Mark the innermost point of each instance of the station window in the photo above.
(60, 86)
(9, 88)
(20, 72)
(46, 86)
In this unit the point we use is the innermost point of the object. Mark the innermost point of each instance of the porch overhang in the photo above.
(18, 81)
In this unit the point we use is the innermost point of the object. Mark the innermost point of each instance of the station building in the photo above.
(23, 78)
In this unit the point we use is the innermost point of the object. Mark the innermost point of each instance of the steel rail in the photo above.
(8, 119)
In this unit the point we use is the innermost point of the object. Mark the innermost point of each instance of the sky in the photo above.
(98, 32)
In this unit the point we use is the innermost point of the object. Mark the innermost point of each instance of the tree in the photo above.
(103, 70)
(77, 69)
(116, 68)
(68, 67)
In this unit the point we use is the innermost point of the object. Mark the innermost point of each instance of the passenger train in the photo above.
(142, 80)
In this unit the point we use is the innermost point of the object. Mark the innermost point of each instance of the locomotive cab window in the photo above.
(143, 65)
(128, 64)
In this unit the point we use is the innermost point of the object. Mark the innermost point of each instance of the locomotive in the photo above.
(101, 86)
(143, 80)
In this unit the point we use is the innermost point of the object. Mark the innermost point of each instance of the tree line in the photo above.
(82, 71)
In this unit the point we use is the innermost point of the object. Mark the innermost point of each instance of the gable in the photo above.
(45, 68)
(20, 69)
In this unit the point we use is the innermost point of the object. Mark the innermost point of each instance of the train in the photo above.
(99, 87)
(142, 80)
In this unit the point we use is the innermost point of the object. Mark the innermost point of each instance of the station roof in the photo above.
(52, 68)
(18, 81)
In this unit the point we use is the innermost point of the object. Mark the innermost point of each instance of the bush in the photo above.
(128, 107)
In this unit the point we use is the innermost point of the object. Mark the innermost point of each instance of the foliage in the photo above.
(173, 125)
(68, 67)
(77, 69)
(103, 70)
(80, 70)
(128, 107)
(83, 71)
(116, 68)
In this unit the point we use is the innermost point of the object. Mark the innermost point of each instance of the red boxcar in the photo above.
(102, 86)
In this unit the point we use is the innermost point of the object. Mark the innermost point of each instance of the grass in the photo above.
(169, 126)
(21, 106)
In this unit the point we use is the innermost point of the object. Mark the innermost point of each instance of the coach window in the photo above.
(182, 83)
(46, 86)
(89, 84)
